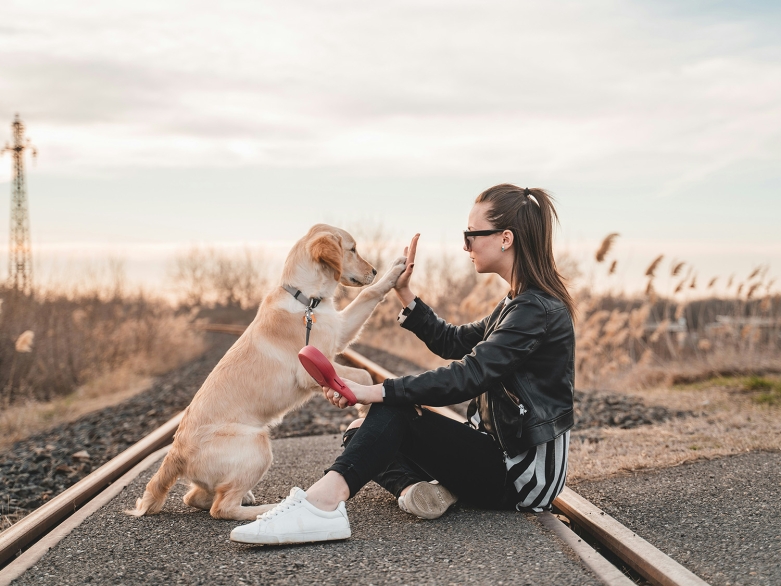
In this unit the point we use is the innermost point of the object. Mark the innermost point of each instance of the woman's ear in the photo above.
(326, 248)
(507, 239)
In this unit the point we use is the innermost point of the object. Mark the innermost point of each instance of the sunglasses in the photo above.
(469, 234)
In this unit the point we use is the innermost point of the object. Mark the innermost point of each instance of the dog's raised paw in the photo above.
(392, 275)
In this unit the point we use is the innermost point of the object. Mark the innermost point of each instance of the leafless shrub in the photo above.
(204, 275)
(53, 341)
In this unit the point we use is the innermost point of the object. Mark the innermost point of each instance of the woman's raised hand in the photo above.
(402, 283)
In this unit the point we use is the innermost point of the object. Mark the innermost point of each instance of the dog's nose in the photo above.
(374, 271)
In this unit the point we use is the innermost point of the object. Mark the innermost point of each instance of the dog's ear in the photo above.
(326, 248)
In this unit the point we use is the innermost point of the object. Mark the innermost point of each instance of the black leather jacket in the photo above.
(517, 365)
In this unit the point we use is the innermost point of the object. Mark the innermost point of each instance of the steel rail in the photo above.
(650, 562)
(42, 520)
(653, 564)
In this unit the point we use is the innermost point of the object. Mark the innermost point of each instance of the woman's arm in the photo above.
(515, 338)
(444, 339)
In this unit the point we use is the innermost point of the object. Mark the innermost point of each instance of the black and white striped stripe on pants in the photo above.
(539, 473)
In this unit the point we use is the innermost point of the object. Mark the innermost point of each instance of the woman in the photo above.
(517, 366)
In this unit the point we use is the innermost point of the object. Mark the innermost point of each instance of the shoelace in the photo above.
(284, 505)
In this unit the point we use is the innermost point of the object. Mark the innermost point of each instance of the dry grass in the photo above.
(678, 328)
(65, 353)
(730, 418)
(79, 340)
(175, 343)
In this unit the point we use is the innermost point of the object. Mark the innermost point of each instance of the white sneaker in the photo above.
(295, 520)
(427, 500)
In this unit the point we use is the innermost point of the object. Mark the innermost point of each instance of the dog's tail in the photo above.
(157, 489)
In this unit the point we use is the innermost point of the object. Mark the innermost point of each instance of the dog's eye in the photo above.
(352, 249)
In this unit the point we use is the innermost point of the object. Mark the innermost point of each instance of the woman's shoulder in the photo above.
(535, 297)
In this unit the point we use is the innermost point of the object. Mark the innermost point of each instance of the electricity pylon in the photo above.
(20, 261)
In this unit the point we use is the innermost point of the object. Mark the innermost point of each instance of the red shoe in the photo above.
(321, 369)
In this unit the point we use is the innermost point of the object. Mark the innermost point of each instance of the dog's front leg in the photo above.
(359, 310)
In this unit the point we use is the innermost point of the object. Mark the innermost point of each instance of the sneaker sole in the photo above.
(434, 503)
(292, 537)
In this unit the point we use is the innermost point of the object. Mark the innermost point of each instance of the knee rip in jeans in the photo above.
(348, 435)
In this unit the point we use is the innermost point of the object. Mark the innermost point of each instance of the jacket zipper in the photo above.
(496, 427)
(521, 407)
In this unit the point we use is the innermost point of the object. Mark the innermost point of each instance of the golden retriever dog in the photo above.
(222, 445)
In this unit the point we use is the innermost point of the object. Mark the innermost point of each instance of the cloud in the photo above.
(412, 87)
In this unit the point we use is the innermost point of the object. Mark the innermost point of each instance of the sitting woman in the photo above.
(517, 366)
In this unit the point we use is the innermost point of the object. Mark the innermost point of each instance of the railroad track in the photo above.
(23, 544)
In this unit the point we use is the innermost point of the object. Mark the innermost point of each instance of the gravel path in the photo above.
(185, 546)
(719, 518)
(38, 468)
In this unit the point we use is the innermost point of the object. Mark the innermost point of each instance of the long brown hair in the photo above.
(514, 208)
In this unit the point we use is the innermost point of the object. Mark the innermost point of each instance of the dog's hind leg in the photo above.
(227, 505)
(233, 492)
(248, 499)
(200, 498)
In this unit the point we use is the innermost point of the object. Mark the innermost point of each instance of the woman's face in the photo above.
(486, 251)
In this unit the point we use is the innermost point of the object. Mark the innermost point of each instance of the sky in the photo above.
(163, 124)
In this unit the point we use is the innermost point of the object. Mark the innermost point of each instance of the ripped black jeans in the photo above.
(396, 447)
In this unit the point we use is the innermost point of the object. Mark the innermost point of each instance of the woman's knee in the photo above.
(351, 430)
(379, 416)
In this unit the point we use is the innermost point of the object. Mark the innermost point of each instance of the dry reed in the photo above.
(604, 248)
(651, 270)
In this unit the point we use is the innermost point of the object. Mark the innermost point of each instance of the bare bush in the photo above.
(208, 276)
(52, 343)
(679, 336)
